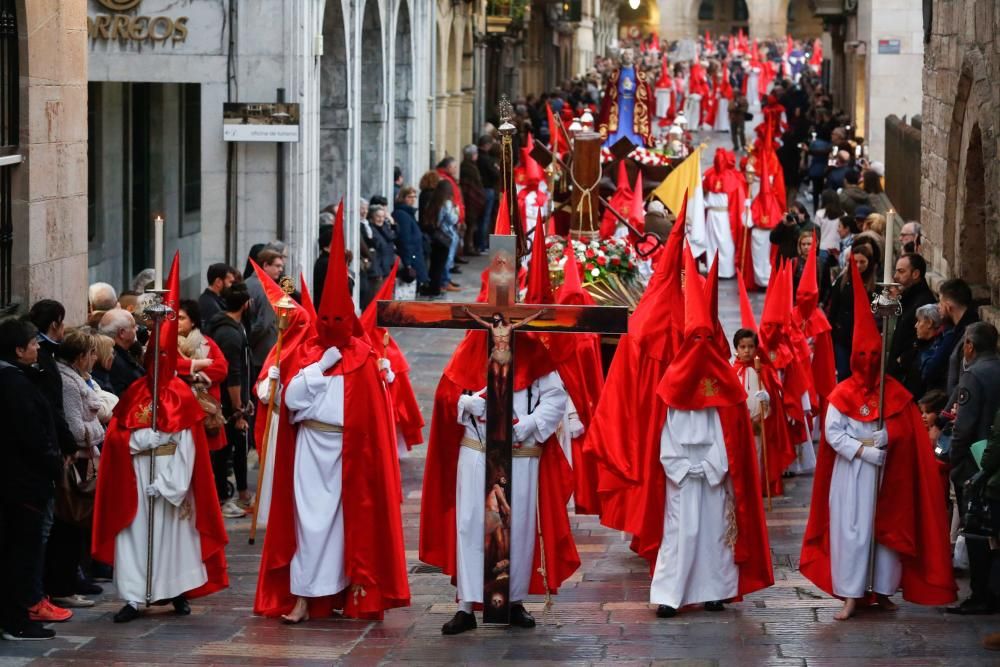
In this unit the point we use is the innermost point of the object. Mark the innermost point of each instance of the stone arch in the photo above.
(335, 104)
(971, 212)
(373, 114)
(405, 112)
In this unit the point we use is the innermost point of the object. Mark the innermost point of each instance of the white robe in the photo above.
(718, 233)
(805, 458)
(663, 98)
(548, 398)
(760, 253)
(695, 563)
(318, 567)
(722, 115)
(692, 110)
(852, 496)
(177, 564)
(751, 384)
(753, 88)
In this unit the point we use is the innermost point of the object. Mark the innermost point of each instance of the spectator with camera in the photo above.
(978, 398)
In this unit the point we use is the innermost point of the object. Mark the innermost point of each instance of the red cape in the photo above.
(780, 448)
(374, 550)
(216, 373)
(117, 497)
(437, 506)
(910, 516)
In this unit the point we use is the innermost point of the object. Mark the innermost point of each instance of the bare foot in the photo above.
(846, 611)
(299, 613)
(885, 603)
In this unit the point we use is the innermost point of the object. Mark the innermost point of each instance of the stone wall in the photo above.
(49, 189)
(960, 189)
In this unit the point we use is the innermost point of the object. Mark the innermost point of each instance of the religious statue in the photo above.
(626, 107)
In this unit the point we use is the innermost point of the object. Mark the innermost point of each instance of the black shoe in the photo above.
(455, 269)
(181, 606)
(461, 260)
(972, 607)
(663, 611)
(126, 614)
(715, 606)
(85, 586)
(520, 617)
(459, 623)
(28, 632)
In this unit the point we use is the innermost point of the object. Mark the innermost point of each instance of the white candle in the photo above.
(887, 266)
(158, 252)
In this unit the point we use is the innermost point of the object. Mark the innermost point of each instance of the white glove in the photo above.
(390, 377)
(152, 491)
(273, 373)
(874, 456)
(880, 439)
(384, 364)
(329, 359)
(575, 426)
(762, 396)
(524, 428)
(696, 471)
(472, 404)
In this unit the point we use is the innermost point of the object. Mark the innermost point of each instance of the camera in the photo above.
(791, 218)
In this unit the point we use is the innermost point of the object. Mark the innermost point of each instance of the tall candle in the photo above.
(158, 252)
(887, 265)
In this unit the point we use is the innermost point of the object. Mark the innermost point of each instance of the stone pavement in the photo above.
(600, 617)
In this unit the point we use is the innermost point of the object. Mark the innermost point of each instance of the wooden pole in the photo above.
(763, 437)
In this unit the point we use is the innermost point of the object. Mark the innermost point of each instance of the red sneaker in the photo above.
(46, 612)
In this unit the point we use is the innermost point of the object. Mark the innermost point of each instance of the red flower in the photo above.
(589, 266)
(602, 260)
(589, 254)
(616, 261)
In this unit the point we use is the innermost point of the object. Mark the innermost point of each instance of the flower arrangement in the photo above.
(610, 268)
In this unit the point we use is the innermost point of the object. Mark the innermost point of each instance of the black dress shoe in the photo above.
(126, 614)
(455, 269)
(663, 611)
(972, 607)
(459, 623)
(85, 586)
(520, 617)
(461, 260)
(715, 606)
(181, 606)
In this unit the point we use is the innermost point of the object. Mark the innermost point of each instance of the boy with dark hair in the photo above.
(219, 277)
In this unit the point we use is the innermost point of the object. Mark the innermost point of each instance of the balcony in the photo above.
(502, 15)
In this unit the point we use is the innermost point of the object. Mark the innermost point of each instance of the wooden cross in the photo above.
(501, 315)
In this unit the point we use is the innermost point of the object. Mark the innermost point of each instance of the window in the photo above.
(94, 106)
(10, 129)
(706, 11)
(740, 10)
(190, 128)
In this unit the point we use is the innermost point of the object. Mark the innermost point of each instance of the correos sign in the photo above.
(133, 27)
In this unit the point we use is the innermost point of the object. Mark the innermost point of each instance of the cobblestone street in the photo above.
(600, 617)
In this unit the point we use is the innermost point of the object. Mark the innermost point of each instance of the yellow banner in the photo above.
(686, 178)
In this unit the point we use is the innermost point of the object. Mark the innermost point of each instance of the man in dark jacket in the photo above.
(119, 325)
(219, 277)
(991, 472)
(32, 464)
(226, 329)
(955, 303)
(978, 398)
(322, 261)
(852, 196)
(489, 176)
(473, 195)
(911, 270)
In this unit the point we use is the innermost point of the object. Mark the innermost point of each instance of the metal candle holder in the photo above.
(157, 311)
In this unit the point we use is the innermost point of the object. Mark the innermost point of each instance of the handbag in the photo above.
(440, 237)
(75, 493)
(979, 521)
(407, 274)
(214, 420)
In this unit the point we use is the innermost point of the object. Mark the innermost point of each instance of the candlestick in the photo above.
(158, 252)
(887, 266)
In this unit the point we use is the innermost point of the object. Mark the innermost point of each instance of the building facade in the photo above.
(160, 73)
(43, 153)
(763, 19)
(960, 190)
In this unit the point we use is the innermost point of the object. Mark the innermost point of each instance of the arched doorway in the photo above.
(334, 133)
(404, 111)
(373, 106)
(722, 17)
(971, 213)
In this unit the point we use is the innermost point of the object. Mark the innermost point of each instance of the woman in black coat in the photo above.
(409, 238)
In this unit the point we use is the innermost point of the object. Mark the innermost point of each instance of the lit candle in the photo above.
(158, 252)
(887, 266)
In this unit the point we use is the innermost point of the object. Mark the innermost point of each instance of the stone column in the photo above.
(678, 20)
(49, 189)
(768, 19)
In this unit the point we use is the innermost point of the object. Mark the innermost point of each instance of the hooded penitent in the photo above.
(117, 497)
(723, 177)
(621, 201)
(910, 515)
(768, 206)
(467, 373)
(373, 551)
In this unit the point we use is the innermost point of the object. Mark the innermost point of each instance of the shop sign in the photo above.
(260, 121)
(119, 26)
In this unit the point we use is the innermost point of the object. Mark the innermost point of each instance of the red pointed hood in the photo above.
(712, 297)
(866, 342)
(539, 285)
(807, 295)
(776, 315)
(665, 80)
(636, 211)
(622, 183)
(556, 143)
(272, 289)
(533, 174)
(306, 298)
(571, 291)
(747, 320)
(168, 331)
(369, 317)
(503, 217)
(699, 377)
(337, 319)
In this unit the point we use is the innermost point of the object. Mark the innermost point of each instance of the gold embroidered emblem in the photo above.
(709, 387)
(144, 414)
(718, 185)
(865, 411)
(772, 355)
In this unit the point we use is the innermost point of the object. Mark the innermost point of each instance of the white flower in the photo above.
(595, 272)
